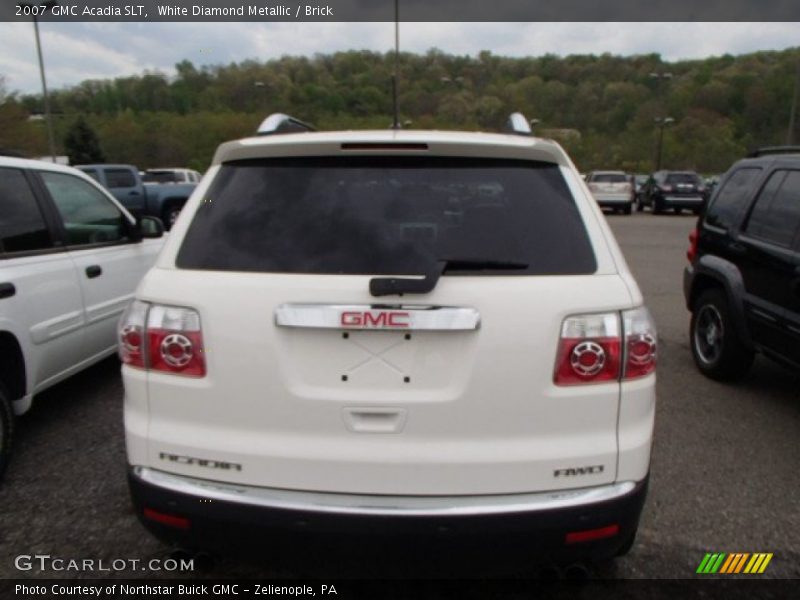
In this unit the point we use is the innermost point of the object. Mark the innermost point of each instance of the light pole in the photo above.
(662, 122)
(790, 130)
(47, 117)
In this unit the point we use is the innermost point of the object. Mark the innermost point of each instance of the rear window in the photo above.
(120, 178)
(609, 178)
(692, 178)
(160, 177)
(386, 216)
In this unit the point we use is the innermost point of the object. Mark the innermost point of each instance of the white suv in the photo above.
(395, 330)
(70, 258)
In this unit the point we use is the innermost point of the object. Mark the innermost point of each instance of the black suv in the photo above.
(674, 190)
(743, 282)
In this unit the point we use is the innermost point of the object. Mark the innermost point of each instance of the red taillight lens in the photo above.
(589, 350)
(665, 188)
(131, 334)
(588, 535)
(175, 341)
(166, 519)
(640, 343)
(691, 253)
(162, 338)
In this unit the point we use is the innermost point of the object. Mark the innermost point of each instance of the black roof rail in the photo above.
(767, 150)
(280, 123)
(518, 124)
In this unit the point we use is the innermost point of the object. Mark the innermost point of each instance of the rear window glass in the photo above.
(120, 178)
(683, 178)
(160, 177)
(609, 178)
(386, 216)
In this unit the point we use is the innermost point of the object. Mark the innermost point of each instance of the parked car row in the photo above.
(661, 191)
(157, 198)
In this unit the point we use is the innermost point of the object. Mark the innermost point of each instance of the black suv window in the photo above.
(775, 217)
(22, 227)
(732, 199)
(691, 178)
(386, 215)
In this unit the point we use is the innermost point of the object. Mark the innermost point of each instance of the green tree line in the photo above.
(602, 108)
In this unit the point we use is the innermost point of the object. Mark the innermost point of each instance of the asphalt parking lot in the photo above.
(725, 468)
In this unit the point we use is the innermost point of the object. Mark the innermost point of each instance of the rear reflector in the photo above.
(165, 519)
(588, 535)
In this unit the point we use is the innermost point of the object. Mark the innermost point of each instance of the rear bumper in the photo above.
(219, 516)
(613, 199)
(692, 202)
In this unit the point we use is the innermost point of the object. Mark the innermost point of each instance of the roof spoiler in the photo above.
(280, 123)
(518, 124)
(767, 150)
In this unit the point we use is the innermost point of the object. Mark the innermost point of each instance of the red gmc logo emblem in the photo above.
(382, 319)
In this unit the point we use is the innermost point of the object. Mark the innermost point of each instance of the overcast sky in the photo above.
(74, 52)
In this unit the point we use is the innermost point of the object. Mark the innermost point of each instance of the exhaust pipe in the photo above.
(550, 573)
(577, 572)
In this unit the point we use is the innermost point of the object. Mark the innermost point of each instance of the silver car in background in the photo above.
(612, 189)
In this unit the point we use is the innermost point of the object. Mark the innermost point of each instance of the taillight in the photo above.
(639, 330)
(665, 188)
(131, 334)
(591, 348)
(593, 187)
(162, 338)
(691, 253)
(175, 341)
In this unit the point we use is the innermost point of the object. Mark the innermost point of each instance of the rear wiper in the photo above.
(386, 286)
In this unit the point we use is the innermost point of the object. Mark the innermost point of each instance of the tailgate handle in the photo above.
(374, 420)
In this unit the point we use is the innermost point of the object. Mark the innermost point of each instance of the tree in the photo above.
(82, 145)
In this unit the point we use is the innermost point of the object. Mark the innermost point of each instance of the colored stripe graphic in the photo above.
(734, 563)
(711, 563)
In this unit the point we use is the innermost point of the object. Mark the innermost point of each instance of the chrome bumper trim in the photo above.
(400, 506)
(365, 316)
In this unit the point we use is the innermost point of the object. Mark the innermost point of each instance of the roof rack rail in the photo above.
(280, 123)
(518, 124)
(767, 150)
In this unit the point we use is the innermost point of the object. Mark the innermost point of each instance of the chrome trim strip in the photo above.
(364, 316)
(395, 506)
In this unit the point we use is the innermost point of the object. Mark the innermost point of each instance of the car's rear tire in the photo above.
(6, 429)
(628, 209)
(678, 210)
(639, 205)
(717, 350)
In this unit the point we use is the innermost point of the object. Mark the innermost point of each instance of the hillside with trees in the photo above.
(602, 108)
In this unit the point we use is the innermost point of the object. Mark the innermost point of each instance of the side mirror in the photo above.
(150, 227)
